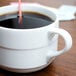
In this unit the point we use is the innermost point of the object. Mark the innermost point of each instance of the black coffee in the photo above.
(30, 20)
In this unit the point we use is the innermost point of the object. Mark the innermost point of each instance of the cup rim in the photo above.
(50, 9)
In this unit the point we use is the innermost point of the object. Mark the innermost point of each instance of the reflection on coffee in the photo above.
(30, 20)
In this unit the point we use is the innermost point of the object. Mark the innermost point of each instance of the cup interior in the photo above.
(10, 9)
(13, 9)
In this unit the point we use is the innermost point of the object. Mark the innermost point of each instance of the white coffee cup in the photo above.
(28, 50)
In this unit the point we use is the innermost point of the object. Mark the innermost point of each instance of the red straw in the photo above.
(20, 11)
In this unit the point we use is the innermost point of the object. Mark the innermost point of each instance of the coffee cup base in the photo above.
(27, 70)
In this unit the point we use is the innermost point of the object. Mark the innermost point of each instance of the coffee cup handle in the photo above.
(67, 39)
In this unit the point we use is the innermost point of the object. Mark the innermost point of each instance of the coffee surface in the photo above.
(30, 20)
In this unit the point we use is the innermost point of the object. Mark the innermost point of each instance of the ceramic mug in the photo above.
(30, 50)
